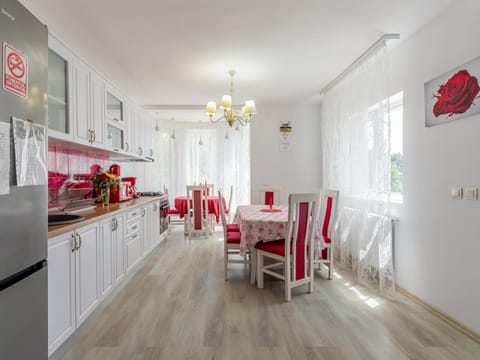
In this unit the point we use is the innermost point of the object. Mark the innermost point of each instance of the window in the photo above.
(380, 135)
(164, 156)
(201, 155)
(396, 147)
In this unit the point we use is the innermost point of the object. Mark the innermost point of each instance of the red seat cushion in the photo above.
(233, 228)
(233, 237)
(274, 247)
(173, 211)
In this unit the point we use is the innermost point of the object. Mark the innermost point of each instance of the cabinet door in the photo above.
(130, 128)
(134, 250)
(61, 290)
(147, 221)
(87, 272)
(119, 234)
(107, 256)
(149, 133)
(98, 109)
(82, 103)
(139, 133)
(60, 90)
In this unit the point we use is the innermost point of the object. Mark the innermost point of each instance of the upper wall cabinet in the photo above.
(115, 116)
(60, 74)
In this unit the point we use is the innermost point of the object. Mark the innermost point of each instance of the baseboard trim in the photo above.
(451, 321)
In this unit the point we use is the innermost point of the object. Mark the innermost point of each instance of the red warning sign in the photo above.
(15, 71)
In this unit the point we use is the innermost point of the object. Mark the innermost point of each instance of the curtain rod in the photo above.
(362, 57)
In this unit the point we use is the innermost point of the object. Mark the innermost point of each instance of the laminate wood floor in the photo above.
(178, 306)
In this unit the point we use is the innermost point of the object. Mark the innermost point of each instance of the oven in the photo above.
(163, 215)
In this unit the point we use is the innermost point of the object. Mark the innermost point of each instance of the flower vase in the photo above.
(105, 197)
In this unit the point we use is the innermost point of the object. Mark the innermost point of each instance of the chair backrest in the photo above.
(222, 214)
(303, 212)
(329, 211)
(269, 195)
(197, 205)
(230, 199)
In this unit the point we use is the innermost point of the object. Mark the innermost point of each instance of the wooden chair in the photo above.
(196, 218)
(328, 214)
(293, 256)
(173, 213)
(227, 210)
(269, 195)
(231, 242)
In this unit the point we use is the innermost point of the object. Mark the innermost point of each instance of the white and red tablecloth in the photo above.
(213, 206)
(257, 225)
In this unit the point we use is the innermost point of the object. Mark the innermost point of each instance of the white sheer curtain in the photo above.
(355, 127)
(208, 152)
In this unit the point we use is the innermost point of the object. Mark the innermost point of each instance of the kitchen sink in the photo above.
(59, 219)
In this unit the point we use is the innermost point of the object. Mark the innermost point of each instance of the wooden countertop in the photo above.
(100, 213)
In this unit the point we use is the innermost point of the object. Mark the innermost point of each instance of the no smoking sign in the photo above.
(15, 71)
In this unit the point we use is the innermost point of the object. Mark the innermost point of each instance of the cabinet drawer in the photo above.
(134, 250)
(134, 214)
(134, 226)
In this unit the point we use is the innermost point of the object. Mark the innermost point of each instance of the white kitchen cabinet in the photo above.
(119, 239)
(147, 230)
(81, 104)
(60, 86)
(97, 123)
(155, 223)
(87, 271)
(61, 290)
(88, 105)
(107, 251)
(85, 265)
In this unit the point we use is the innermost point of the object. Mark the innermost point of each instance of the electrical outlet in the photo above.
(470, 193)
(456, 192)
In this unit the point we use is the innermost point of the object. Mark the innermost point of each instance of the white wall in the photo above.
(437, 243)
(296, 171)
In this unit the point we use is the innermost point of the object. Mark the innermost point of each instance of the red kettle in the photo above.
(114, 169)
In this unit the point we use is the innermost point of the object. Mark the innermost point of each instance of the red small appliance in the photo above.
(114, 169)
(121, 192)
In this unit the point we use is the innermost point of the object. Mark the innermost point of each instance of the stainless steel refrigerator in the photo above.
(23, 212)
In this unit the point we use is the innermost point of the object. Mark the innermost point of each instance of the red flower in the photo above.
(456, 95)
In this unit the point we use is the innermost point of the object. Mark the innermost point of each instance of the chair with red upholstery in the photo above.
(231, 243)
(228, 211)
(269, 195)
(172, 211)
(196, 218)
(292, 256)
(328, 214)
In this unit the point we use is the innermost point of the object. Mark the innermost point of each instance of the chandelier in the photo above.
(229, 114)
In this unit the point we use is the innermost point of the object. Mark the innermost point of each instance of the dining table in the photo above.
(213, 206)
(263, 223)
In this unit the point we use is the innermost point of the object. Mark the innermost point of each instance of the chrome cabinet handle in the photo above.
(90, 136)
(134, 236)
(79, 241)
(94, 136)
(126, 147)
(113, 225)
(134, 214)
(116, 224)
(143, 212)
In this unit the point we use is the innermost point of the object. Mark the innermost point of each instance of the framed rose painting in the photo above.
(453, 95)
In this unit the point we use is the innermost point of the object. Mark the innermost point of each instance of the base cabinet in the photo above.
(73, 282)
(85, 266)
(61, 290)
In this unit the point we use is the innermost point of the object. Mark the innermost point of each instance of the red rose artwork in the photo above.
(456, 95)
(453, 95)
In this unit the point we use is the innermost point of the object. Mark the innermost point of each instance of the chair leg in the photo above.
(311, 266)
(259, 270)
(253, 265)
(288, 289)
(225, 262)
(330, 264)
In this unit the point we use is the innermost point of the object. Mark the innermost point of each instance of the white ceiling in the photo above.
(177, 52)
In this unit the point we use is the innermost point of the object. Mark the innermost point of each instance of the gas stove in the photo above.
(150, 193)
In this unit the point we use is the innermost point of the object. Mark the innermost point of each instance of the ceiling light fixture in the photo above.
(226, 104)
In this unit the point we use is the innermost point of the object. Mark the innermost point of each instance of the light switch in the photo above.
(470, 193)
(456, 192)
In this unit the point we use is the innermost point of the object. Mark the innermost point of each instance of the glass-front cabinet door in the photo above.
(114, 108)
(115, 137)
(58, 94)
